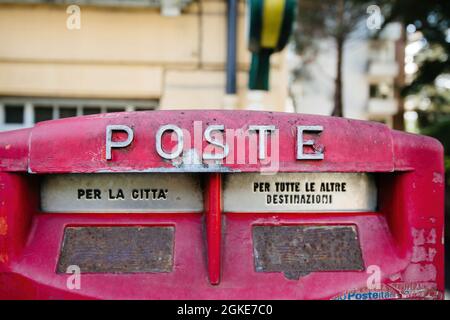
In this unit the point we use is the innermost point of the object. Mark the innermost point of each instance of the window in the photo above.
(67, 112)
(14, 114)
(144, 109)
(115, 110)
(381, 90)
(43, 114)
(373, 90)
(124, 3)
(17, 112)
(91, 110)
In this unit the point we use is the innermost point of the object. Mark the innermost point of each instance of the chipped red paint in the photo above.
(348, 144)
(404, 237)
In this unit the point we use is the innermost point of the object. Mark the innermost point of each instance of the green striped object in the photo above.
(270, 24)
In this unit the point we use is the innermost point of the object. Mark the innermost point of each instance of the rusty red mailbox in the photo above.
(220, 205)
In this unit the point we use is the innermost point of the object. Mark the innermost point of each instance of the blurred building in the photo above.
(372, 75)
(125, 55)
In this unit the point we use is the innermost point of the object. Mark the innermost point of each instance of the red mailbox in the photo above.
(220, 205)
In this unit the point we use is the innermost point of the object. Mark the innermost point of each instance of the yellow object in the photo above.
(272, 19)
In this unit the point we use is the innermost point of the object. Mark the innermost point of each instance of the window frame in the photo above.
(105, 3)
(13, 105)
(31, 103)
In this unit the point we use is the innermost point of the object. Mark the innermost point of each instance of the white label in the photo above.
(299, 192)
(121, 192)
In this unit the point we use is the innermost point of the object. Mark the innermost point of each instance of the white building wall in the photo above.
(316, 93)
(363, 65)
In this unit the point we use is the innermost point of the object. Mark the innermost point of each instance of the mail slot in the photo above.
(220, 204)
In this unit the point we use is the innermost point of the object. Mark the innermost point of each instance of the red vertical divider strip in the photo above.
(213, 225)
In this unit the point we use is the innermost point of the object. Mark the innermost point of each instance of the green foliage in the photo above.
(432, 19)
(441, 131)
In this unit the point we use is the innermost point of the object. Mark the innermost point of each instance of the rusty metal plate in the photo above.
(299, 250)
(117, 249)
(299, 192)
(121, 193)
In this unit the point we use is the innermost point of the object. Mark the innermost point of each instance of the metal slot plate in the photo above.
(121, 193)
(300, 192)
(117, 249)
(299, 250)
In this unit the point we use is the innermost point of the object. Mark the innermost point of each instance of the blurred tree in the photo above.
(328, 19)
(431, 82)
(432, 19)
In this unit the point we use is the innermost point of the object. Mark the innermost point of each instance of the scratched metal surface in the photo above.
(117, 249)
(299, 250)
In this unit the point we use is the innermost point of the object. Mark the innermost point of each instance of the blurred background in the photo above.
(385, 61)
